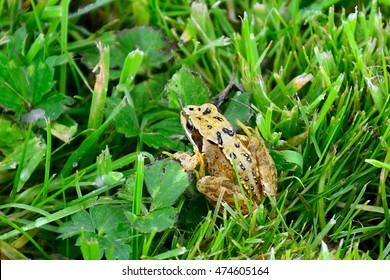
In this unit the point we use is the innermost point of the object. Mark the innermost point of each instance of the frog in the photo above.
(236, 167)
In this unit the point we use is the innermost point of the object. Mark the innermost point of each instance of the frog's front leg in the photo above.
(189, 163)
(213, 187)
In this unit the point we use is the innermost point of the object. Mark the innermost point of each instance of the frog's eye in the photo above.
(190, 125)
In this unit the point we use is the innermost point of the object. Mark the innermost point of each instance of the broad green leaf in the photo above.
(105, 223)
(165, 181)
(127, 192)
(10, 136)
(17, 43)
(164, 134)
(126, 120)
(23, 86)
(187, 88)
(158, 220)
(81, 221)
(106, 218)
(238, 108)
(53, 104)
(153, 44)
(41, 77)
(147, 94)
(156, 115)
(14, 92)
(114, 247)
(151, 41)
(26, 83)
(57, 60)
(10, 98)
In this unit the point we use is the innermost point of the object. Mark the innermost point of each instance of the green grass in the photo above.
(91, 97)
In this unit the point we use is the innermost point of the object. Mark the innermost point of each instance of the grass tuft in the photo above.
(82, 171)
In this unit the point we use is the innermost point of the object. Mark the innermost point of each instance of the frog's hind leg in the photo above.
(214, 187)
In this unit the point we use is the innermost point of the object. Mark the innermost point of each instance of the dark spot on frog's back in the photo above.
(254, 174)
(209, 126)
(248, 157)
(219, 138)
(218, 118)
(191, 108)
(207, 111)
(228, 131)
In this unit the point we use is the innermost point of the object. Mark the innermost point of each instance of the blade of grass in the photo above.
(148, 238)
(317, 240)
(48, 219)
(20, 230)
(136, 206)
(48, 158)
(382, 189)
(335, 88)
(8, 252)
(21, 164)
(170, 254)
(100, 90)
(64, 41)
(88, 143)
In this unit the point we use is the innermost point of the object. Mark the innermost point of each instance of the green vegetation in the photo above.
(90, 97)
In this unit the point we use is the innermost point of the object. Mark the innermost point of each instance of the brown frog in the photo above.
(217, 149)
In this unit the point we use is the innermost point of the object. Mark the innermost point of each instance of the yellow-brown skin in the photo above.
(217, 148)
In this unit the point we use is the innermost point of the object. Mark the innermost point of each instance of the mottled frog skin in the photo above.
(217, 148)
